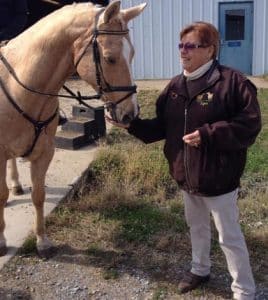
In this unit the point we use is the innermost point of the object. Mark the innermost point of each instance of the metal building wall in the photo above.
(260, 38)
(155, 34)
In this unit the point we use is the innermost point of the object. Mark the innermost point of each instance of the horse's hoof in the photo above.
(47, 252)
(17, 190)
(3, 250)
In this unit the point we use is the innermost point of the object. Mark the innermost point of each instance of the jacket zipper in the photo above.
(187, 172)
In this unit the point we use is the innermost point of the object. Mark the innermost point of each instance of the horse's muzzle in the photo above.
(128, 118)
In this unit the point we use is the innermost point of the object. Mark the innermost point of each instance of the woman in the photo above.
(208, 115)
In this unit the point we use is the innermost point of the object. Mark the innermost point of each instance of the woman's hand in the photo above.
(192, 139)
(120, 125)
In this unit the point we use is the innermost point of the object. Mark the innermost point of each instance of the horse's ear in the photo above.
(111, 11)
(131, 13)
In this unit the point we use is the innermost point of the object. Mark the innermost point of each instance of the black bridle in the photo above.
(102, 85)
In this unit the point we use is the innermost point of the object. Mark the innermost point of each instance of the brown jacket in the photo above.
(223, 106)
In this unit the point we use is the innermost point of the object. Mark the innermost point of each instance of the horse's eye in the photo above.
(110, 60)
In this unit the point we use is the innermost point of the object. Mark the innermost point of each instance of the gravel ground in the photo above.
(72, 279)
(53, 280)
(72, 275)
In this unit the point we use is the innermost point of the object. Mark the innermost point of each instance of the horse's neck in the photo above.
(45, 60)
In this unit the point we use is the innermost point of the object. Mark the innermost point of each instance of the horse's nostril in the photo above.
(127, 119)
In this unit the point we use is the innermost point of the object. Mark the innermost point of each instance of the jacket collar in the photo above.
(213, 74)
(211, 77)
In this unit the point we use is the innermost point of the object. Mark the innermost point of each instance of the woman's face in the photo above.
(193, 58)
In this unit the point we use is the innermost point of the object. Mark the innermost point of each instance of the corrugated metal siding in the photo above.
(260, 38)
(155, 34)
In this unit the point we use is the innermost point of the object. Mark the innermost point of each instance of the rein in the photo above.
(14, 75)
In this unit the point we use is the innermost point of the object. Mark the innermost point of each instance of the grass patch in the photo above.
(254, 205)
(29, 246)
(110, 274)
(257, 162)
(140, 223)
(265, 76)
(94, 249)
(160, 293)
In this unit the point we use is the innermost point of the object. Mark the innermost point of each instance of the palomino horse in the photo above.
(91, 40)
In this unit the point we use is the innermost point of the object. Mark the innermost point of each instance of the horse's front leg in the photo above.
(38, 172)
(3, 199)
(16, 186)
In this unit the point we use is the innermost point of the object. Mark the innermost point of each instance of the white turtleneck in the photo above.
(198, 72)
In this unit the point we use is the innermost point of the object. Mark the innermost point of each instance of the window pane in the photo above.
(235, 24)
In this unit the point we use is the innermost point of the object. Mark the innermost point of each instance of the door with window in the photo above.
(236, 33)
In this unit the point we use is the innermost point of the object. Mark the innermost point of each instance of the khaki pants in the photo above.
(225, 214)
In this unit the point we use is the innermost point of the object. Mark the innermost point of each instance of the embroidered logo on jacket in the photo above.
(204, 99)
(173, 95)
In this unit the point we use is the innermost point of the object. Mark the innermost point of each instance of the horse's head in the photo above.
(103, 58)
